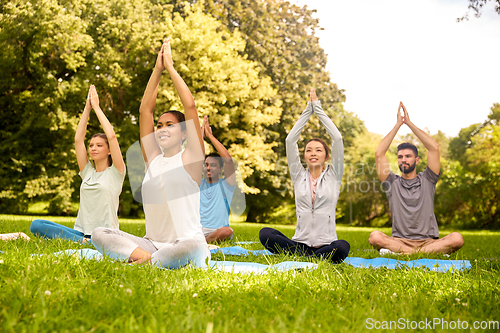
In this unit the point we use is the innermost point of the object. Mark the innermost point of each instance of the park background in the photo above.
(249, 65)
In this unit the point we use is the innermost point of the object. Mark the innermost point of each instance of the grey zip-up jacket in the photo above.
(315, 222)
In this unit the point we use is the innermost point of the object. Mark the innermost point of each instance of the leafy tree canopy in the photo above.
(469, 193)
(280, 38)
(53, 51)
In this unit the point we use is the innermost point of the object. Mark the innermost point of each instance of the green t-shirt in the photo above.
(99, 198)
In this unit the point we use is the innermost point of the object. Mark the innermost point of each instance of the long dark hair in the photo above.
(323, 143)
(103, 136)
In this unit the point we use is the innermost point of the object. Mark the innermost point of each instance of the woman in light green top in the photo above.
(102, 180)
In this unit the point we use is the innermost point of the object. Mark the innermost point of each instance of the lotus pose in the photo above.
(171, 186)
(102, 180)
(216, 192)
(317, 190)
(411, 197)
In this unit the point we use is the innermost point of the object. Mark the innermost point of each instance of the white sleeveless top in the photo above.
(171, 201)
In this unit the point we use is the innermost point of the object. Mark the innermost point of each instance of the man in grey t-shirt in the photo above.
(411, 197)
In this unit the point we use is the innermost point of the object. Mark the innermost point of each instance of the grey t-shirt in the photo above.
(412, 205)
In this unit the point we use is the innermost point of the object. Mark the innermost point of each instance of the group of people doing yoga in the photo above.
(184, 211)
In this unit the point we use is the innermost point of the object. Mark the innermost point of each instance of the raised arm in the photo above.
(229, 173)
(292, 149)
(114, 147)
(432, 146)
(149, 146)
(337, 143)
(381, 161)
(81, 130)
(194, 146)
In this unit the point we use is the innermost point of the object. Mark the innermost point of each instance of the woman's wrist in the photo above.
(170, 68)
(158, 70)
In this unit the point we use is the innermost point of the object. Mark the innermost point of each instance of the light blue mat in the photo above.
(233, 250)
(82, 253)
(239, 251)
(226, 266)
(434, 265)
(252, 267)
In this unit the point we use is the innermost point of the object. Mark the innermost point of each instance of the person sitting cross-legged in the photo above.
(216, 193)
(102, 180)
(171, 185)
(411, 197)
(317, 190)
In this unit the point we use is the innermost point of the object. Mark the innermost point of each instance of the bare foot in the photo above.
(139, 256)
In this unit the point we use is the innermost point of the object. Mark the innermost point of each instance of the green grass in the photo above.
(47, 293)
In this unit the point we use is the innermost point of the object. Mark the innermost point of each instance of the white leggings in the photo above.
(119, 245)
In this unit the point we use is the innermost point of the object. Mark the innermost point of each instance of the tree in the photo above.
(280, 37)
(362, 200)
(55, 49)
(33, 87)
(227, 87)
(469, 192)
(477, 7)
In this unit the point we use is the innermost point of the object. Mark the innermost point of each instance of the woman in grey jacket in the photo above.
(317, 190)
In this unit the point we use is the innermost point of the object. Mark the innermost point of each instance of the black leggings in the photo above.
(276, 242)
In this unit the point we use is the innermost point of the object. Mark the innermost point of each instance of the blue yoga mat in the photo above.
(435, 265)
(233, 250)
(82, 253)
(252, 267)
(226, 266)
(239, 251)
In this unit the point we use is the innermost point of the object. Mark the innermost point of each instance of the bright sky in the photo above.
(382, 51)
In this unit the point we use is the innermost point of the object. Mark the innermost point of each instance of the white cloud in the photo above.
(384, 51)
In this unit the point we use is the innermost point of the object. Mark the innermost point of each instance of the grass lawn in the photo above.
(47, 293)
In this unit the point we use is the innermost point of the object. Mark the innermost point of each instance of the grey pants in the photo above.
(119, 245)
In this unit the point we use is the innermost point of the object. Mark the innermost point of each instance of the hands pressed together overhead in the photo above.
(312, 95)
(206, 130)
(403, 119)
(164, 59)
(92, 99)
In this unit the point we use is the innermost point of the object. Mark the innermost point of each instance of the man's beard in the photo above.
(408, 169)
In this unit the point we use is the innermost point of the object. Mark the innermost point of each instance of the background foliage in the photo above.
(250, 65)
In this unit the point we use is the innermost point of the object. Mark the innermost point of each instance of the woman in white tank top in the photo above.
(171, 194)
